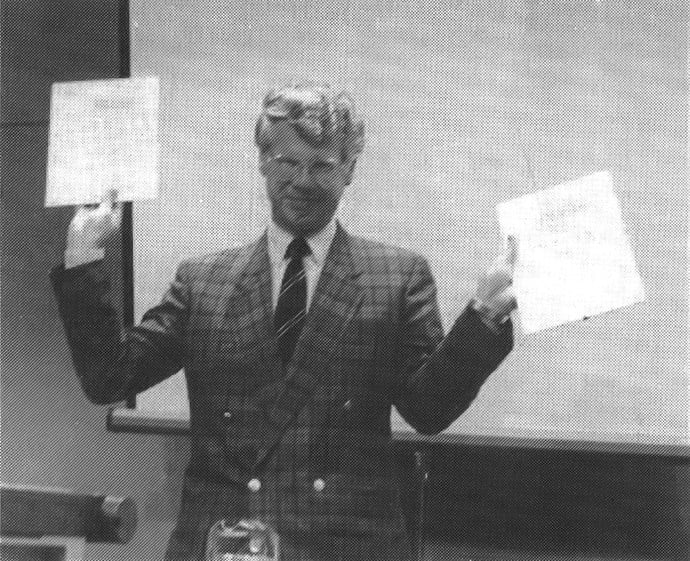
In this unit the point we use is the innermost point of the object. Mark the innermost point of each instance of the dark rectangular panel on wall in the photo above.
(46, 42)
(580, 505)
(52, 436)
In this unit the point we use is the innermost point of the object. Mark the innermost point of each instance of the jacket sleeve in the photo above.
(113, 363)
(439, 380)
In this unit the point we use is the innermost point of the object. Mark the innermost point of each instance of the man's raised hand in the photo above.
(91, 226)
(494, 289)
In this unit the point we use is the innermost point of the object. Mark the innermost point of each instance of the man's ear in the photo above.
(350, 171)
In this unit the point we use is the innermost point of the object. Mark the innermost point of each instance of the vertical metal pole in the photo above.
(422, 470)
(127, 234)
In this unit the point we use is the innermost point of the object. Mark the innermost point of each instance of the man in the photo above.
(294, 347)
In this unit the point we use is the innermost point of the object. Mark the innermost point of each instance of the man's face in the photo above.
(304, 183)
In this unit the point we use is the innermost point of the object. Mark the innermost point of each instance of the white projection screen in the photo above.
(466, 104)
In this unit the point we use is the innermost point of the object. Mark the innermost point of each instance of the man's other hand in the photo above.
(495, 298)
(91, 226)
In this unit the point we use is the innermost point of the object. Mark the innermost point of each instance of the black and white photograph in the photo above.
(347, 280)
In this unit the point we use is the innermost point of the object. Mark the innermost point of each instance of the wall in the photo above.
(480, 503)
(467, 103)
(51, 436)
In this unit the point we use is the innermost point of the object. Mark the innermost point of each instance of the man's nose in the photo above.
(303, 175)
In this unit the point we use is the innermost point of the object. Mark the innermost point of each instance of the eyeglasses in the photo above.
(320, 170)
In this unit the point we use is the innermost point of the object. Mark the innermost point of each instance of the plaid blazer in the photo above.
(306, 448)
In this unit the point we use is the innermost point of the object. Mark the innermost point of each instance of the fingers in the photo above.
(495, 287)
(508, 259)
(506, 300)
(497, 282)
(108, 207)
(105, 216)
(79, 218)
(512, 251)
(503, 303)
(109, 200)
(116, 216)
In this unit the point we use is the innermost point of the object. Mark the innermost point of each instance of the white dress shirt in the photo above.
(319, 243)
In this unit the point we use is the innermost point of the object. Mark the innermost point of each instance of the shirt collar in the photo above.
(319, 243)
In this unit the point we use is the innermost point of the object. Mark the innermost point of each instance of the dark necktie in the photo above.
(291, 309)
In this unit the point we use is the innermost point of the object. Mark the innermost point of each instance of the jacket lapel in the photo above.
(336, 298)
(248, 311)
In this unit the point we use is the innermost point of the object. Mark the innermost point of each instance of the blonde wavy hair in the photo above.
(318, 114)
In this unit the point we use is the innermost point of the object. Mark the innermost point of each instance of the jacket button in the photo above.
(319, 485)
(254, 485)
(227, 415)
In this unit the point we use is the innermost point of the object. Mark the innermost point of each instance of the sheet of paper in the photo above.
(103, 135)
(575, 260)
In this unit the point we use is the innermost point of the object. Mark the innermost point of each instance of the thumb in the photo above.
(512, 251)
(116, 216)
(108, 201)
(504, 302)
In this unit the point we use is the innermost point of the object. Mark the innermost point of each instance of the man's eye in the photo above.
(323, 167)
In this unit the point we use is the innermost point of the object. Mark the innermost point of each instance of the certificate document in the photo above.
(103, 136)
(575, 259)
